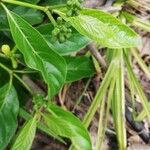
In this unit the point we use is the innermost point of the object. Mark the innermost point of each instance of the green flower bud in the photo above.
(59, 20)
(6, 50)
(69, 13)
(64, 28)
(77, 12)
(69, 3)
(69, 30)
(78, 4)
(14, 63)
(67, 25)
(62, 38)
(56, 31)
(68, 35)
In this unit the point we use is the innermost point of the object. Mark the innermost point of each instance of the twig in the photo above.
(97, 55)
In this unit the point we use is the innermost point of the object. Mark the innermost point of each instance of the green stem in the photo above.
(102, 129)
(25, 115)
(23, 83)
(56, 6)
(136, 4)
(24, 4)
(141, 24)
(140, 61)
(2, 55)
(5, 68)
(17, 77)
(49, 15)
(81, 96)
(23, 71)
(13, 51)
(100, 126)
(99, 95)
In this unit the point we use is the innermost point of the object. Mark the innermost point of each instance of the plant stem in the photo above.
(49, 15)
(24, 4)
(136, 4)
(99, 96)
(13, 51)
(140, 62)
(24, 71)
(141, 24)
(17, 77)
(45, 9)
(23, 83)
(2, 55)
(5, 68)
(100, 126)
(81, 96)
(102, 129)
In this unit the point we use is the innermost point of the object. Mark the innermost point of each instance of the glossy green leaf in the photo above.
(73, 44)
(31, 15)
(65, 124)
(9, 107)
(104, 29)
(79, 67)
(26, 136)
(37, 53)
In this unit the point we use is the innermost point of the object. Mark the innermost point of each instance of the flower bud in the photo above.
(6, 50)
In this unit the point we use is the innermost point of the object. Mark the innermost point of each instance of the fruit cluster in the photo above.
(62, 31)
(74, 7)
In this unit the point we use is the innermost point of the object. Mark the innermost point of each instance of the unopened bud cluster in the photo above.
(62, 31)
(74, 7)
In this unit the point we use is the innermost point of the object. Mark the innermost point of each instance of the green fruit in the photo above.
(78, 4)
(67, 25)
(68, 35)
(69, 30)
(56, 31)
(69, 13)
(62, 38)
(69, 3)
(64, 28)
(77, 12)
(6, 50)
(59, 20)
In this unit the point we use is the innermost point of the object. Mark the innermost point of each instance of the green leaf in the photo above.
(31, 15)
(79, 67)
(73, 44)
(26, 136)
(9, 107)
(37, 53)
(65, 124)
(103, 28)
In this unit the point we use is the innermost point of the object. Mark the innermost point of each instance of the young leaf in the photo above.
(118, 103)
(65, 124)
(103, 28)
(73, 44)
(26, 136)
(37, 53)
(9, 107)
(78, 68)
